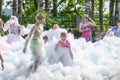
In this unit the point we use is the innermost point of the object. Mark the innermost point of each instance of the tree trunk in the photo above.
(0, 8)
(111, 12)
(47, 6)
(15, 7)
(101, 14)
(116, 11)
(40, 5)
(92, 9)
(87, 7)
(19, 7)
(54, 7)
(36, 5)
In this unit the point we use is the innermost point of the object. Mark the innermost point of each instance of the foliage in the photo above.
(67, 10)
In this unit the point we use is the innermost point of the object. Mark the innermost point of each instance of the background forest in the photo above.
(67, 13)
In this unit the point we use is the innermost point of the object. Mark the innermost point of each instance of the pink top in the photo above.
(63, 44)
(86, 34)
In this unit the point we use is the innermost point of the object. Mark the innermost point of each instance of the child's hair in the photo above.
(40, 17)
(45, 38)
(55, 26)
(1, 23)
(63, 34)
(118, 21)
(70, 30)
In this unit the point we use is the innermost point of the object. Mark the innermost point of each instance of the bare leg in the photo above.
(35, 65)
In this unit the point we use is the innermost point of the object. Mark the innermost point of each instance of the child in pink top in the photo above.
(63, 51)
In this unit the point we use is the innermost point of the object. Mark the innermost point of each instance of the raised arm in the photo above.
(92, 23)
(27, 40)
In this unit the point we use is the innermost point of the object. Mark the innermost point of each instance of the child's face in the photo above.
(63, 38)
(118, 24)
(40, 21)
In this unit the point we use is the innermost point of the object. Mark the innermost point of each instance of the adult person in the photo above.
(85, 27)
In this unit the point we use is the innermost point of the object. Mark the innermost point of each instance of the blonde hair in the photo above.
(1, 23)
(40, 17)
(55, 26)
(85, 15)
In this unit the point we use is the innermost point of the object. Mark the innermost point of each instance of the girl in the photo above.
(14, 29)
(85, 26)
(63, 51)
(37, 43)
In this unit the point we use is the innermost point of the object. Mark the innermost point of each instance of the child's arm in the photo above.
(71, 54)
(26, 43)
(2, 65)
(69, 46)
(57, 45)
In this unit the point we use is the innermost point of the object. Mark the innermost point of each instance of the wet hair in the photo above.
(1, 23)
(118, 21)
(63, 34)
(55, 26)
(40, 17)
(45, 38)
(14, 18)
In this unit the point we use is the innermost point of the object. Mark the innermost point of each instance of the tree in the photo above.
(116, 11)
(92, 9)
(19, 7)
(40, 5)
(87, 7)
(47, 6)
(101, 14)
(15, 7)
(54, 7)
(111, 12)
(0, 8)
(36, 4)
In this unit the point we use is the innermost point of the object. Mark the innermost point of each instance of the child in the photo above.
(37, 43)
(63, 51)
(117, 32)
(45, 38)
(55, 32)
(114, 31)
(14, 29)
(2, 65)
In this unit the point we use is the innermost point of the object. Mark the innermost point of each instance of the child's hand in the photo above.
(2, 66)
(24, 50)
